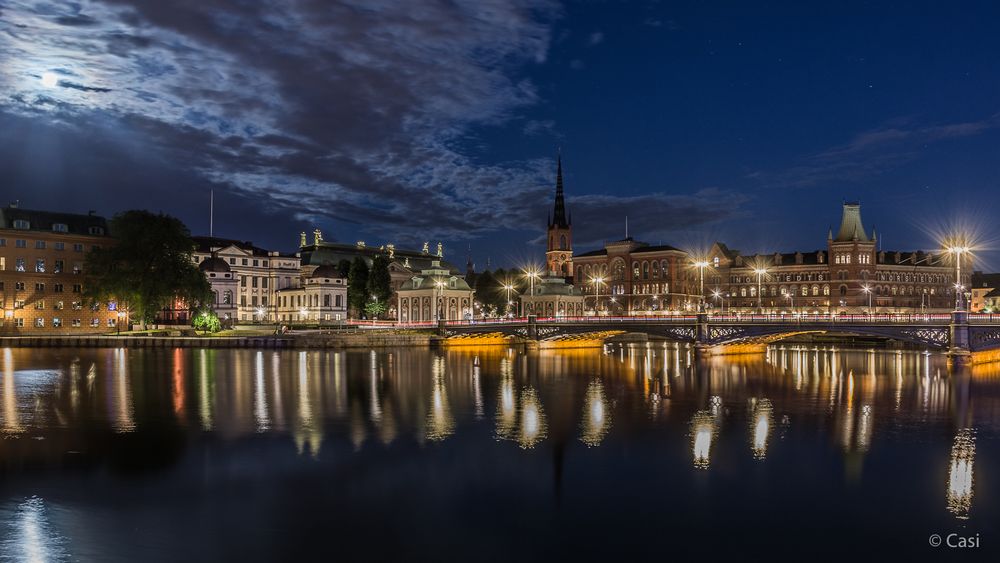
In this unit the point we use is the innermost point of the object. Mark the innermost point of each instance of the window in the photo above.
(58, 288)
(263, 282)
(256, 263)
(244, 261)
(96, 230)
(21, 224)
(111, 322)
(19, 286)
(19, 323)
(60, 227)
(227, 297)
(3, 242)
(326, 300)
(112, 306)
(40, 305)
(77, 247)
(60, 246)
(77, 268)
(56, 322)
(77, 288)
(58, 306)
(95, 306)
(265, 261)
(21, 243)
(253, 281)
(76, 323)
(40, 265)
(40, 287)
(39, 322)
(40, 244)
(243, 281)
(232, 261)
(77, 305)
(19, 264)
(57, 267)
(95, 322)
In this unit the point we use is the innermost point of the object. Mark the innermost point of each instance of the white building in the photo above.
(319, 297)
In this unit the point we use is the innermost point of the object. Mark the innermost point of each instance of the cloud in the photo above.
(871, 153)
(535, 127)
(595, 38)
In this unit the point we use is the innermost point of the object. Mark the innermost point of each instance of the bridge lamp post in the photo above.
(868, 289)
(596, 282)
(760, 297)
(509, 288)
(531, 275)
(791, 300)
(701, 265)
(958, 251)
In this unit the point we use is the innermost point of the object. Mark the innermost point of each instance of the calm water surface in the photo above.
(629, 453)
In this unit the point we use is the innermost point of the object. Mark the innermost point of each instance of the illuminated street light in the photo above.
(701, 265)
(531, 275)
(596, 282)
(959, 248)
(760, 298)
(867, 289)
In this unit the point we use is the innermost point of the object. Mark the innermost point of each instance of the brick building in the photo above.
(42, 256)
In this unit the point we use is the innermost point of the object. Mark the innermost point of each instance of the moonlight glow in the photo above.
(50, 79)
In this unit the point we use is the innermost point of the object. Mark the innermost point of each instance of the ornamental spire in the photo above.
(559, 210)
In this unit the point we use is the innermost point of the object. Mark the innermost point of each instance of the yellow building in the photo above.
(42, 255)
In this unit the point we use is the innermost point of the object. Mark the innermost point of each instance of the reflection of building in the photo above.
(41, 272)
(320, 297)
(559, 249)
(631, 277)
(834, 279)
(436, 292)
(553, 297)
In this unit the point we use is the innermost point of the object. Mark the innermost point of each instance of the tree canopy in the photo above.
(379, 280)
(148, 268)
(357, 284)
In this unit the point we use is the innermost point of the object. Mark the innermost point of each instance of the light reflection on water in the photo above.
(582, 409)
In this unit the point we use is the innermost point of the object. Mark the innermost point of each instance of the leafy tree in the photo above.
(206, 321)
(344, 267)
(489, 292)
(357, 284)
(148, 268)
(375, 308)
(379, 280)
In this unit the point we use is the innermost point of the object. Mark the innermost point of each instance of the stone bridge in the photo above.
(959, 333)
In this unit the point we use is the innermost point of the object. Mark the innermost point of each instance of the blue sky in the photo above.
(395, 121)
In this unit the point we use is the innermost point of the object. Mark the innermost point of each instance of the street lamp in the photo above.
(509, 288)
(701, 265)
(760, 297)
(531, 275)
(958, 250)
(596, 282)
(118, 325)
(791, 300)
(867, 289)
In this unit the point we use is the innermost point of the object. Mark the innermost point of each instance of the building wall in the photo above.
(315, 300)
(418, 305)
(636, 279)
(258, 278)
(41, 284)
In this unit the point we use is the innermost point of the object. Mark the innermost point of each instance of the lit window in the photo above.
(21, 224)
(60, 227)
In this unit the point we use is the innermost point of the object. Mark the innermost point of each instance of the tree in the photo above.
(490, 293)
(206, 321)
(344, 267)
(379, 280)
(375, 308)
(148, 268)
(357, 285)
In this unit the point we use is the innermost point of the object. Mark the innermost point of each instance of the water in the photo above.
(624, 454)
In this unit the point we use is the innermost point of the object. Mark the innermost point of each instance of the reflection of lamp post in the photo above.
(760, 297)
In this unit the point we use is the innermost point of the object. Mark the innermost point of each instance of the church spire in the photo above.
(559, 210)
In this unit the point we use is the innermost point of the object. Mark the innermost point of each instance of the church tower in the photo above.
(853, 261)
(559, 252)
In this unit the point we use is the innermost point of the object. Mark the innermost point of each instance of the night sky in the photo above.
(404, 121)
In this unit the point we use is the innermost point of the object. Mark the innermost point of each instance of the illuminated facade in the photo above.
(630, 277)
(42, 255)
(436, 292)
(846, 276)
(319, 297)
(552, 297)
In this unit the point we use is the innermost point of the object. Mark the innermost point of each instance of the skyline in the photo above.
(386, 125)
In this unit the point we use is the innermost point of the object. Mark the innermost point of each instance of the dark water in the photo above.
(415, 455)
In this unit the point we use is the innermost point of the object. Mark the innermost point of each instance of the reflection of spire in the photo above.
(960, 473)
(477, 391)
(596, 416)
(440, 423)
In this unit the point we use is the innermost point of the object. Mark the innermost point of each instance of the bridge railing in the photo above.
(984, 318)
(880, 318)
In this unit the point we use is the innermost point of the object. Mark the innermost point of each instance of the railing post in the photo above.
(702, 348)
(533, 327)
(958, 336)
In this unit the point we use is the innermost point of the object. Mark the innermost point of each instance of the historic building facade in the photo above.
(319, 297)
(552, 297)
(224, 286)
(850, 275)
(259, 275)
(42, 256)
(628, 277)
(437, 292)
(559, 246)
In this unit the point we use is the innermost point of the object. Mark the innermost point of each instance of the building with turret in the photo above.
(559, 247)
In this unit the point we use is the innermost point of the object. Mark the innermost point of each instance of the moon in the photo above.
(50, 79)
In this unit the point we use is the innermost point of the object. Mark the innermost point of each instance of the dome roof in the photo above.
(213, 264)
(325, 271)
